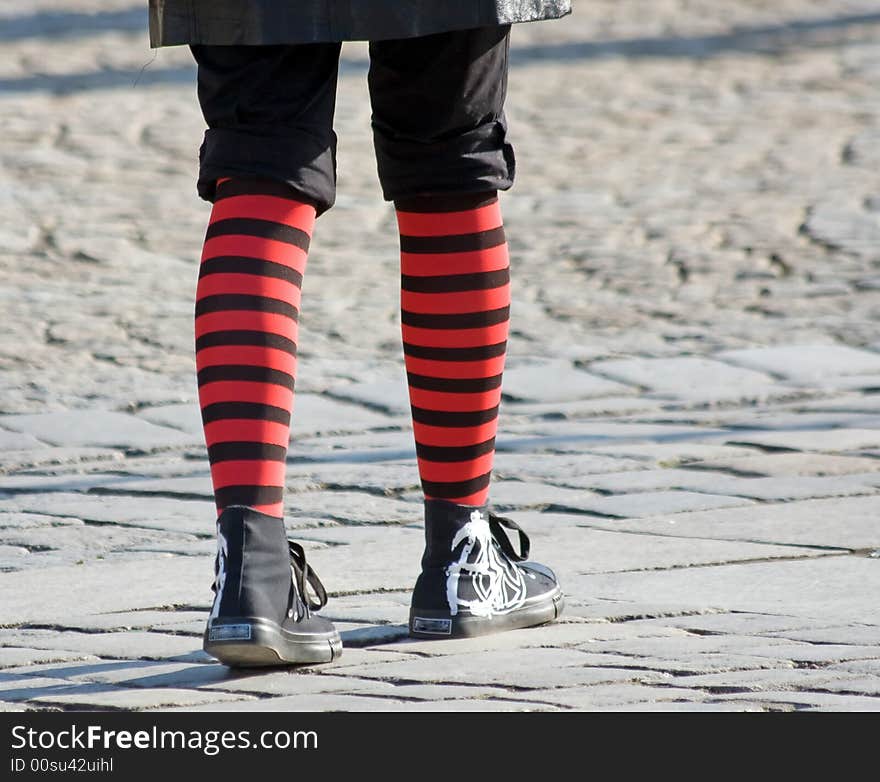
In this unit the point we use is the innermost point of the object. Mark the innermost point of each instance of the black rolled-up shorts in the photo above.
(438, 114)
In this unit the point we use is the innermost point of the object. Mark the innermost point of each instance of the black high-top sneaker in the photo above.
(473, 582)
(262, 612)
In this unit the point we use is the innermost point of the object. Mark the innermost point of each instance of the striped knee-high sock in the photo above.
(247, 306)
(455, 302)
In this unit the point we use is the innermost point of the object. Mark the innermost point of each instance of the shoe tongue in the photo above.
(476, 528)
(444, 515)
(443, 522)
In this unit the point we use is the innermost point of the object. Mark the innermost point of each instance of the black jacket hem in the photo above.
(272, 22)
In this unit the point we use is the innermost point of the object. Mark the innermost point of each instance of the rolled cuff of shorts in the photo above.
(306, 163)
(478, 160)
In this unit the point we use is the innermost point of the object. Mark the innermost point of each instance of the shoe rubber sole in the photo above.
(252, 642)
(441, 624)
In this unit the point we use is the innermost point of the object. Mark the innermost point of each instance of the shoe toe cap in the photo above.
(538, 568)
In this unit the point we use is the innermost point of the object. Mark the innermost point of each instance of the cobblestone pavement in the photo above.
(691, 425)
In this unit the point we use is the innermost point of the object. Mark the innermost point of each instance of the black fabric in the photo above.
(438, 204)
(498, 524)
(263, 573)
(438, 120)
(262, 22)
(443, 521)
(311, 590)
(438, 113)
(254, 564)
(269, 111)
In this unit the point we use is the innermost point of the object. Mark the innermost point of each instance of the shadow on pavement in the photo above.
(769, 39)
(122, 78)
(67, 24)
(109, 78)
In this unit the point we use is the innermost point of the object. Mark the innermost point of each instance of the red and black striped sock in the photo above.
(455, 303)
(247, 307)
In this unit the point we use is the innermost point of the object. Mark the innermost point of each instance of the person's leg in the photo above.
(270, 145)
(267, 165)
(442, 153)
(455, 301)
(247, 306)
(439, 132)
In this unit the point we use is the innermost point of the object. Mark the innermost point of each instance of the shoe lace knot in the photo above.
(303, 578)
(497, 524)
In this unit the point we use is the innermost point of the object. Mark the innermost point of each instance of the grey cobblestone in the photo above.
(599, 696)
(538, 669)
(817, 701)
(671, 454)
(101, 696)
(177, 515)
(22, 655)
(827, 589)
(96, 429)
(769, 488)
(148, 646)
(802, 523)
(861, 666)
(529, 382)
(653, 503)
(796, 679)
(824, 440)
(697, 378)
(792, 464)
(579, 549)
(842, 634)
(18, 440)
(353, 703)
(807, 362)
(49, 594)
